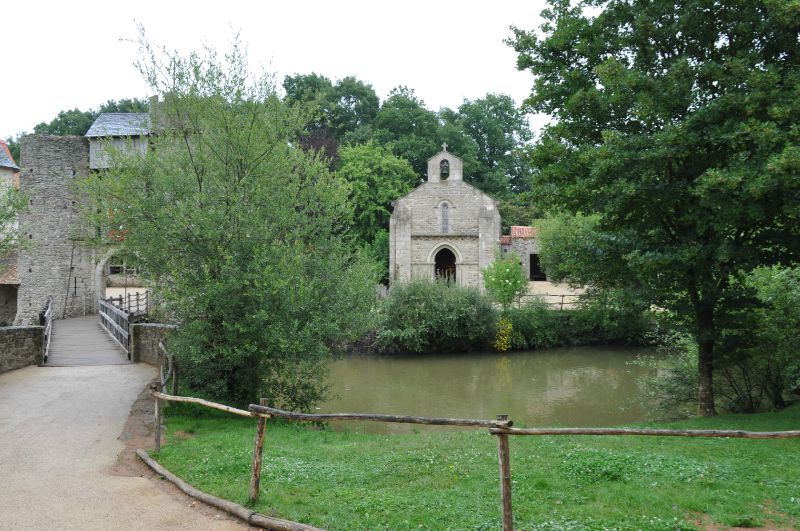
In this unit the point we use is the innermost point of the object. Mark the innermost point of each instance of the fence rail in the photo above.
(501, 428)
(554, 300)
(117, 323)
(46, 320)
(135, 304)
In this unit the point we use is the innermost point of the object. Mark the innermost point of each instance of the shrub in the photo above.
(424, 316)
(505, 279)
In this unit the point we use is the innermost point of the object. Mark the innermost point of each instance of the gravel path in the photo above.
(59, 448)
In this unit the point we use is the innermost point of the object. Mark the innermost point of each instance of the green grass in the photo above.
(449, 479)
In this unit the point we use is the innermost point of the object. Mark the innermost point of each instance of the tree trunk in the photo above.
(705, 376)
(706, 334)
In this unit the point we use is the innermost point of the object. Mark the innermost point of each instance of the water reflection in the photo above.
(586, 386)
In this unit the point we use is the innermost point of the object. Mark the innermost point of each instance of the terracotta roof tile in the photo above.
(518, 231)
(505, 239)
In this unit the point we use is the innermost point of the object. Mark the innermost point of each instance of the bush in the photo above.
(427, 317)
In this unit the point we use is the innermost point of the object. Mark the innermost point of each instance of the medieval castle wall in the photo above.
(54, 260)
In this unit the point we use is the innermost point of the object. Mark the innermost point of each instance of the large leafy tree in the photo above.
(500, 132)
(376, 178)
(676, 125)
(243, 235)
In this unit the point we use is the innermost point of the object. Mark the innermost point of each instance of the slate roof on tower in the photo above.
(6, 160)
(120, 124)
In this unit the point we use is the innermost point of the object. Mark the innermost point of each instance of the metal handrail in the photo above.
(46, 320)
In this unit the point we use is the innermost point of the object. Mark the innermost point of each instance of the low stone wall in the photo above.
(20, 346)
(144, 341)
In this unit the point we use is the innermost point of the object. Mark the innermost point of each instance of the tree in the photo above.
(410, 130)
(11, 204)
(376, 178)
(500, 132)
(505, 279)
(241, 233)
(675, 124)
(342, 107)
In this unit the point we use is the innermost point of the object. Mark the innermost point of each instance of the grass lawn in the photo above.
(449, 479)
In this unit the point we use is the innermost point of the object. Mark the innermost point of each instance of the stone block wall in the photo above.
(54, 261)
(20, 346)
(416, 231)
(144, 341)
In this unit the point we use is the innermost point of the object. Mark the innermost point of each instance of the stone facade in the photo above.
(20, 346)
(54, 260)
(144, 341)
(444, 227)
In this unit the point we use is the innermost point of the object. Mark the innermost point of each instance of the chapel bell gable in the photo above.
(444, 166)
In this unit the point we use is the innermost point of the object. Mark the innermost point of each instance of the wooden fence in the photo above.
(46, 320)
(501, 427)
(555, 300)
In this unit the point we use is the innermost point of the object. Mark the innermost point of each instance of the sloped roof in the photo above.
(505, 239)
(120, 124)
(6, 160)
(518, 231)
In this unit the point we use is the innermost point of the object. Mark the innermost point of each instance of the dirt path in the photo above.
(64, 464)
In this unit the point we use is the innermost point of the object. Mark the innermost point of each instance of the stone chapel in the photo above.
(444, 228)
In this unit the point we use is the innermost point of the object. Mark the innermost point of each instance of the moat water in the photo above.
(583, 386)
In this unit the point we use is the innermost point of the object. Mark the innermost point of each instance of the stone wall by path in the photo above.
(20, 346)
(144, 341)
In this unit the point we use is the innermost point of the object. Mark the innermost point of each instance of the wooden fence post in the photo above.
(158, 422)
(258, 451)
(174, 376)
(505, 477)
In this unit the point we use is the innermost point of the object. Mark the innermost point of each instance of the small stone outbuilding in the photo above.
(444, 228)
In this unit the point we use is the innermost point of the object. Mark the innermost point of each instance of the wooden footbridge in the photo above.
(102, 339)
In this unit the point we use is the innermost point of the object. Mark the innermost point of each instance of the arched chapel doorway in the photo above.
(445, 267)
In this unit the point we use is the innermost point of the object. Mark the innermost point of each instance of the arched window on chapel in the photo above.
(445, 213)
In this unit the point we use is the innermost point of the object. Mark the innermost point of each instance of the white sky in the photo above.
(60, 55)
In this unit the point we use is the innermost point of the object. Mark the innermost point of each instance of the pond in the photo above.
(583, 386)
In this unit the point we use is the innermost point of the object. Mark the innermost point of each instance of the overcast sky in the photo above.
(63, 55)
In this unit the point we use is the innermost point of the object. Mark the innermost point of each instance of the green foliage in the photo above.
(679, 134)
(448, 479)
(502, 338)
(604, 319)
(760, 360)
(342, 107)
(242, 234)
(424, 316)
(500, 132)
(11, 204)
(376, 178)
(505, 279)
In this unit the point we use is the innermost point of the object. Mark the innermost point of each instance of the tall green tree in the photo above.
(376, 178)
(675, 124)
(500, 133)
(243, 234)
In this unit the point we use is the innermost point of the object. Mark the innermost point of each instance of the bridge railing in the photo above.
(135, 304)
(117, 323)
(46, 320)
